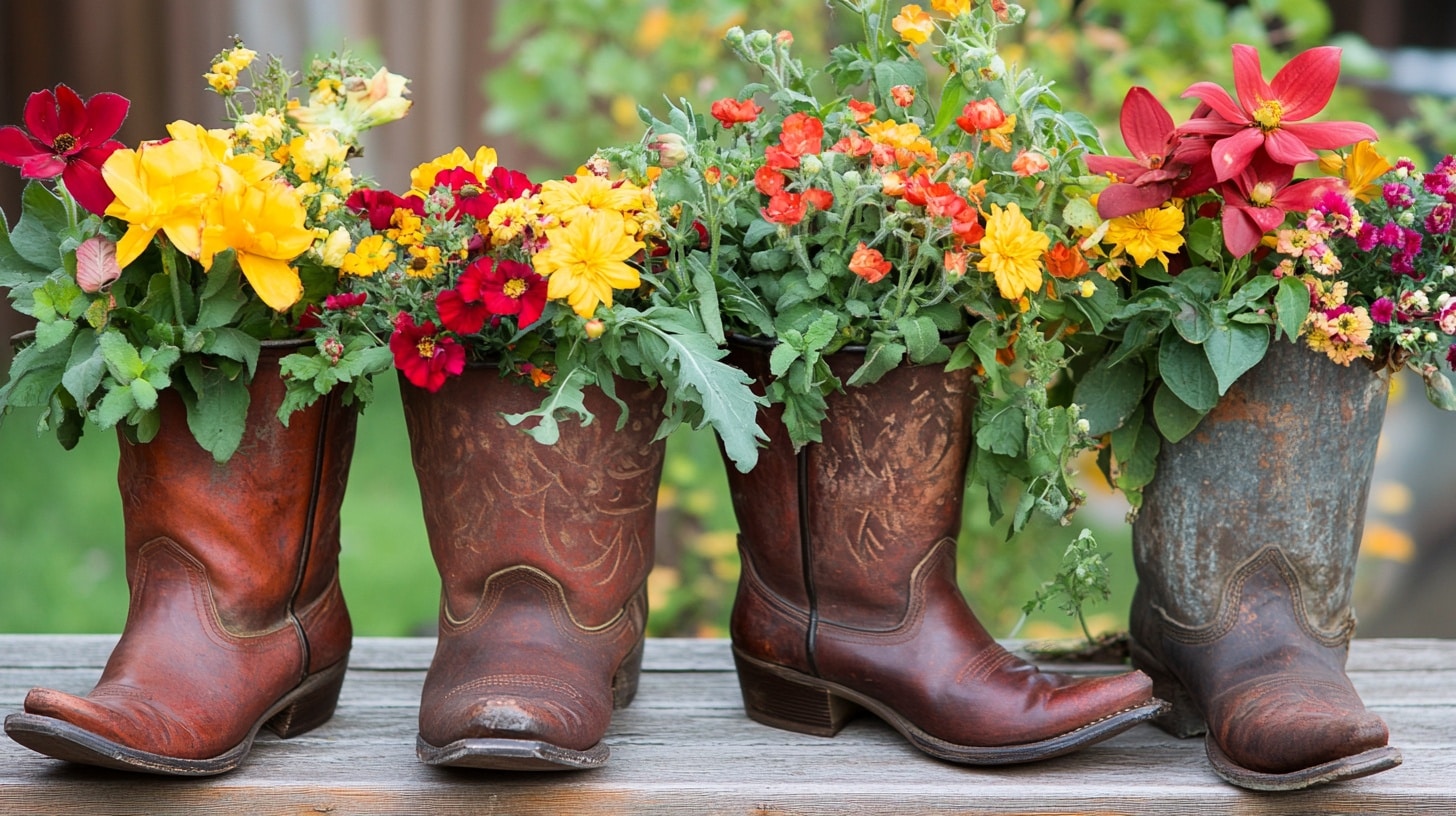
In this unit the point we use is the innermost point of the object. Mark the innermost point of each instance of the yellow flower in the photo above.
(1344, 338)
(406, 228)
(265, 225)
(373, 254)
(260, 127)
(571, 200)
(335, 248)
(1000, 137)
(953, 8)
(913, 24)
(223, 77)
(218, 146)
(586, 259)
(902, 136)
(507, 220)
(1360, 169)
(160, 187)
(1012, 250)
(422, 178)
(315, 152)
(1151, 233)
(424, 261)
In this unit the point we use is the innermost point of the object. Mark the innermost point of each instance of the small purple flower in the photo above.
(1382, 310)
(1398, 195)
(1440, 220)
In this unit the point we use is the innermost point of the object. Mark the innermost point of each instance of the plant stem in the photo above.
(169, 265)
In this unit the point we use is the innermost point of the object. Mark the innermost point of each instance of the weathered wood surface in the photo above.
(684, 747)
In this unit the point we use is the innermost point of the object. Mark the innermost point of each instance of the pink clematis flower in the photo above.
(68, 138)
(1256, 201)
(1270, 115)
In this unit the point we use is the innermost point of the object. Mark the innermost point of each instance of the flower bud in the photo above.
(1083, 426)
(1087, 289)
(594, 328)
(671, 148)
(810, 164)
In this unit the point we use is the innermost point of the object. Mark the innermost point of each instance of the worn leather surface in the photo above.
(543, 553)
(870, 601)
(233, 572)
(1245, 551)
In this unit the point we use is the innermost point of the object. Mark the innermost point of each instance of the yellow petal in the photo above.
(275, 281)
(133, 244)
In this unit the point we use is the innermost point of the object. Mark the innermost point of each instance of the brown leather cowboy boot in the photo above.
(236, 619)
(1245, 550)
(543, 552)
(848, 597)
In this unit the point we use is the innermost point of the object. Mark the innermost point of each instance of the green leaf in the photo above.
(1174, 418)
(1234, 349)
(15, 270)
(144, 393)
(53, 332)
(124, 362)
(1291, 305)
(114, 407)
(1003, 432)
(217, 410)
(880, 358)
(37, 237)
(1109, 393)
(85, 368)
(922, 338)
(1139, 446)
(821, 331)
(759, 230)
(235, 344)
(1204, 240)
(35, 374)
(564, 397)
(1193, 321)
(222, 297)
(706, 292)
(782, 356)
(693, 366)
(1185, 368)
(1249, 294)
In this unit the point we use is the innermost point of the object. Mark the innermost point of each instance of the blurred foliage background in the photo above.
(567, 76)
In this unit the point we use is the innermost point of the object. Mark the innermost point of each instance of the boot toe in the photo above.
(1290, 736)
(125, 720)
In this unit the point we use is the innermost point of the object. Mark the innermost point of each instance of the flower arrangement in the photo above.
(554, 284)
(1216, 251)
(168, 265)
(917, 197)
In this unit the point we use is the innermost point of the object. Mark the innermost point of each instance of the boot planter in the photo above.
(848, 598)
(1245, 551)
(236, 619)
(543, 554)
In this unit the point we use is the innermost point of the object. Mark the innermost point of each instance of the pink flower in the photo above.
(1256, 201)
(1382, 311)
(1163, 164)
(1270, 115)
(68, 138)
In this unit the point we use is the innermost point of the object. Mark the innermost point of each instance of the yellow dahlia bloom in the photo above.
(586, 259)
(571, 200)
(1012, 250)
(160, 187)
(265, 225)
(1151, 233)
(373, 254)
(422, 178)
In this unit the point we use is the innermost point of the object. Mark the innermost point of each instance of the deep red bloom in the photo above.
(1164, 164)
(514, 288)
(471, 197)
(785, 208)
(508, 184)
(1269, 115)
(308, 319)
(68, 138)
(730, 112)
(345, 300)
(1256, 202)
(380, 205)
(425, 357)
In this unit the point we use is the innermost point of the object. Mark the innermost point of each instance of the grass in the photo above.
(62, 568)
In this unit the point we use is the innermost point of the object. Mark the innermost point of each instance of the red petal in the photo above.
(1286, 148)
(1147, 127)
(1126, 199)
(16, 148)
(1249, 81)
(1217, 98)
(1331, 135)
(1232, 155)
(104, 114)
(40, 116)
(1306, 194)
(1123, 168)
(1240, 235)
(84, 182)
(42, 166)
(1304, 86)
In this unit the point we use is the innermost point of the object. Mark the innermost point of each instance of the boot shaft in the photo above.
(265, 524)
(883, 487)
(580, 513)
(1284, 461)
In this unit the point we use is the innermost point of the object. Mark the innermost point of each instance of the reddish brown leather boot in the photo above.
(1245, 551)
(236, 619)
(848, 598)
(543, 552)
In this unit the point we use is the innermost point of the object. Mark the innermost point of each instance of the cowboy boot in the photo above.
(543, 553)
(848, 598)
(1245, 552)
(236, 619)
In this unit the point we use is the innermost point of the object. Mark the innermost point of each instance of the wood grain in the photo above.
(684, 747)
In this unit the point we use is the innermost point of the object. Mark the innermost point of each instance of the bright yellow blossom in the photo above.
(953, 8)
(1151, 233)
(571, 200)
(240, 58)
(260, 127)
(424, 261)
(315, 152)
(586, 259)
(900, 135)
(160, 187)
(335, 248)
(913, 24)
(265, 224)
(1012, 250)
(422, 178)
(373, 254)
(1360, 169)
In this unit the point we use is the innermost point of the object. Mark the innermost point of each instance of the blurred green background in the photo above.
(546, 83)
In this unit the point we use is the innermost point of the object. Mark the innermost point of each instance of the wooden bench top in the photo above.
(685, 747)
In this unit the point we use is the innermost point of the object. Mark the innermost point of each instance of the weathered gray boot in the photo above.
(1245, 551)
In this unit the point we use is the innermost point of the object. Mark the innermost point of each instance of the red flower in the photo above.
(380, 205)
(470, 196)
(862, 111)
(1255, 202)
(1164, 163)
(769, 181)
(508, 184)
(425, 357)
(513, 288)
(1270, 115)
(777, 158)
(818, 199)
(803, 134)
(785, 208)
(869, 264)
(983, 114)
(68, 138)
(730, 112)
(346, 300)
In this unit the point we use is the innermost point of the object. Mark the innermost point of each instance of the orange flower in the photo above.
(803, 134)
(818, 199)
(892, 184)
(863, 111)
(785, 208)
(1065, 262)
(1000, 138)
(869, 264)
(955, 263)
(983, 114)
(1029, 163)
(769, 181)
(853, 145)
(730, 112)
(904, 95)
(712, 175)
(913, 24)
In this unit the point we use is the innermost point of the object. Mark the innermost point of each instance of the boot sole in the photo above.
(793, 701)
(305, 708)
(511, 755)
(1351, 767)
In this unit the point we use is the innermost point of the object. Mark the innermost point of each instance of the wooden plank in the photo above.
(685, 747)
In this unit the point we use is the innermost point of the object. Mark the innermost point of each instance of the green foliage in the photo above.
(1084, 577)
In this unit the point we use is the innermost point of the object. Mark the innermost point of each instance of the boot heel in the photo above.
(624, 682)
(313, 706)
(773, 698)
(1181, 718)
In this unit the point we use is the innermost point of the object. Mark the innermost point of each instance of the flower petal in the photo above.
(1147, 127)
(104, 114)
(85, 183)
(1287, 148)
(275, 281)
(1233, 154)
(1124, 169)
(1217, 98)
(1249, 81)
(1330, 135)
(1240, 234)
(1125, 199)
(1304, 195)
(40, 116)
(71, 114)
(16, 148)
(1304, 85)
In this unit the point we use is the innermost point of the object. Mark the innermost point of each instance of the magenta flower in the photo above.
(68, 138)
(1270, 115)
(1382, 310)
